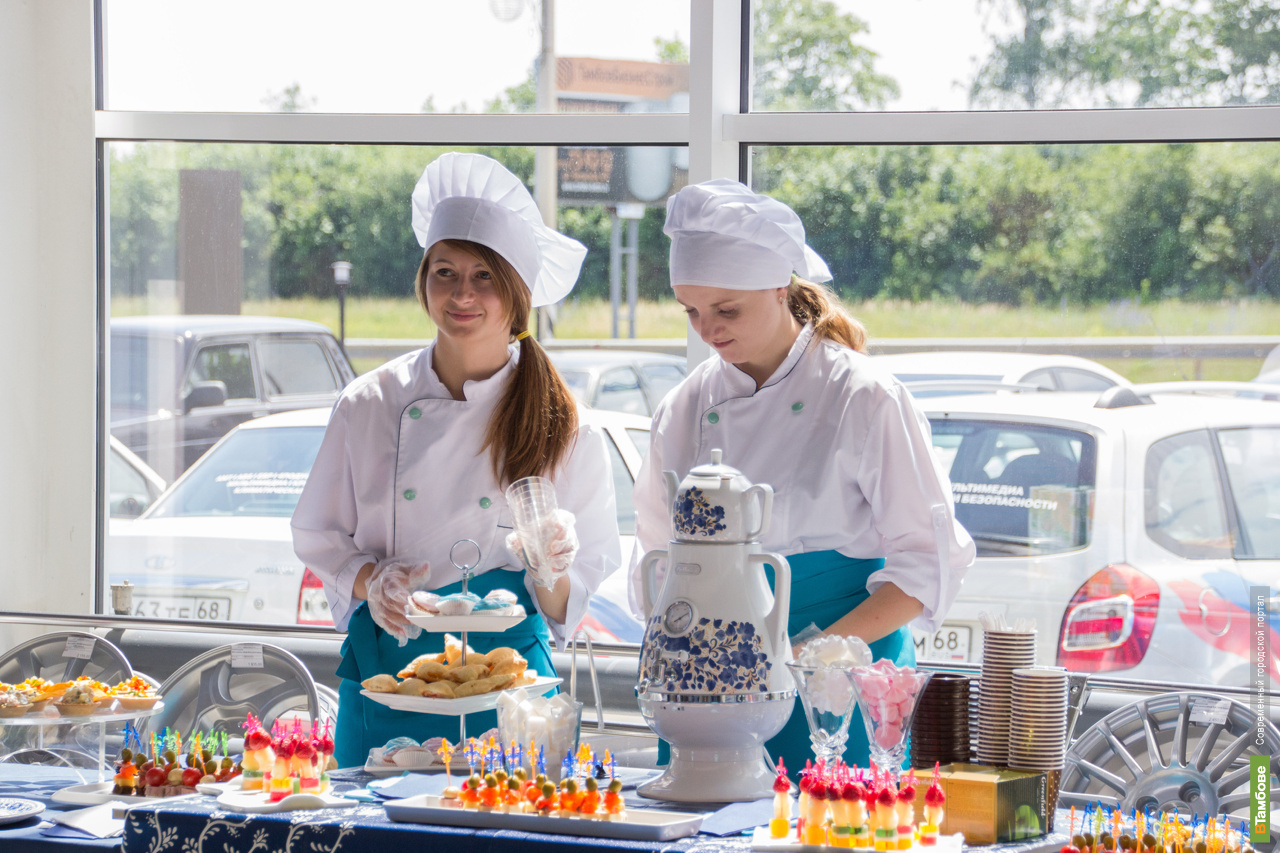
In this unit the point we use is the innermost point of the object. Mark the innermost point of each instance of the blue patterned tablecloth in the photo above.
(41, 783)
(199, 825)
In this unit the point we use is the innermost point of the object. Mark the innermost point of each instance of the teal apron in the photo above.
(825, 585)
(369, 650)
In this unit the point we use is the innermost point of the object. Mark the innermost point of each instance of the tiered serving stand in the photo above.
(462, 625)
(50, 717)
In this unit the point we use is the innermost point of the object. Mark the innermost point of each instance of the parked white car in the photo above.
(1131, 534)
(923, 372)
(216, 546)
(132, 485)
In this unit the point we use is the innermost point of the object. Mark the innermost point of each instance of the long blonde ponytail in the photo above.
(816, 303)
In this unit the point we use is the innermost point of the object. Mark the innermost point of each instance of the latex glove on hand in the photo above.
(560, 546)
(387, 591)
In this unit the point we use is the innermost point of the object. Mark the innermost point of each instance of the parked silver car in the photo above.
(927, 373)
(619, 380)
(180, 383)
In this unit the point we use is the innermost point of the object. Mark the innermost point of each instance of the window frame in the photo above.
(718, 131)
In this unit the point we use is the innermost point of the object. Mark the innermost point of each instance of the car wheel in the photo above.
(1183, 751)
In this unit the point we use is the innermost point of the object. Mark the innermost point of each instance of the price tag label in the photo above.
(246, 656)
(1210, 711)
(80, 648)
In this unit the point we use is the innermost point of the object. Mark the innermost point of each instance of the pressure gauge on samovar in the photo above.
(678, 617)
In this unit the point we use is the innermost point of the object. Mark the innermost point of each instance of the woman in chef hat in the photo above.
(419, 452)
(861, 510)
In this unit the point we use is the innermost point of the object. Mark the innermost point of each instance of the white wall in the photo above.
(47, 305)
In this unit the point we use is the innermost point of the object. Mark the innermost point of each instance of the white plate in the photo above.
(639, 825)
(14, 809)
(257, 802)
(100, 792)
(455, 707)
(476, 622)
(217, 789)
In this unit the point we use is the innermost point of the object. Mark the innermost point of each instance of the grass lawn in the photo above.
(403, 318)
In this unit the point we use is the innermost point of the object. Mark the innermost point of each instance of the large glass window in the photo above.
(225, 320)
(1151, 260)
(1007, 55)
(397, 56)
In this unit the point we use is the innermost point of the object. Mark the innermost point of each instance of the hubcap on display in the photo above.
(1151, 756)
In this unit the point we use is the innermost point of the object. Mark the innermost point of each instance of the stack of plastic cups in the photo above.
(1038, 727)
(1003, 651)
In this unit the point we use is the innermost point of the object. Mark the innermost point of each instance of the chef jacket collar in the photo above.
(473, 389)
(740, 384)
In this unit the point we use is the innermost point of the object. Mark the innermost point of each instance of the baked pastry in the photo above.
(412, 666)
(411, 687)
(440, 690)
(470, 672)
(424, 602)
(380, 684)
(431, 671)
(453, 649)
(457, 604)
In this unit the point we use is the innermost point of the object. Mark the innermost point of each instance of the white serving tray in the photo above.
(456, 707)
(763, 841)
(257, 802)
(477, 622)
(93, 793)
(639, 825)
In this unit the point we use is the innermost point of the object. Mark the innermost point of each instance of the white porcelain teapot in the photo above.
(714, 624)
(717, 503)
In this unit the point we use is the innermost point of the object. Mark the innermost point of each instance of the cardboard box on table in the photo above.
(988, 804)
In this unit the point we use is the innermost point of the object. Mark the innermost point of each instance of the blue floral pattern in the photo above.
(694, 514)
(715, 656)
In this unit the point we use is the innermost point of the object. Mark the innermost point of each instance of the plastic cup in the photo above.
(533, 507)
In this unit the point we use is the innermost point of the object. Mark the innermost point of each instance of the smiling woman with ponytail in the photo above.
(419, 453)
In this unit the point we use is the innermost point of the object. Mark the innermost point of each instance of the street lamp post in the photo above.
(342, 278)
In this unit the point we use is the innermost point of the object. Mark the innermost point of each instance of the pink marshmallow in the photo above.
(888, 736)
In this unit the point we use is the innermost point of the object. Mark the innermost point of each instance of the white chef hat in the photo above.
(473, 197)
(724, 235)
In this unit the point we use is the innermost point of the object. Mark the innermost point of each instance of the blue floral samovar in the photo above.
(712, 678)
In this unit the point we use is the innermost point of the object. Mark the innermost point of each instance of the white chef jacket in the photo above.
(401, 473)
(846, 451)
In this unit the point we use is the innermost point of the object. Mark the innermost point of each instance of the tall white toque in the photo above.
(724, 235)
(473, 197)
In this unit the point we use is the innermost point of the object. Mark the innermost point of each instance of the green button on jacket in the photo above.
(415, 413)
(713, 418)
(410, 494)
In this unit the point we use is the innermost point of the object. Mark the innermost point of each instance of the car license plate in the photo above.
(950, 643)
(212, 609)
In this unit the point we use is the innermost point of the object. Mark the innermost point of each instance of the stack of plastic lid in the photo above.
(1003, 651)
(940, 730)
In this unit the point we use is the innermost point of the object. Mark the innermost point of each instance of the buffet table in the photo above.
(197, 824)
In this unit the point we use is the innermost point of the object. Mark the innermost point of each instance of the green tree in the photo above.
(289, 100)
(805, 57)
(1131, 53)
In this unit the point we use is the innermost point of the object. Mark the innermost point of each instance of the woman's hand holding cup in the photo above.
(544, 538)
